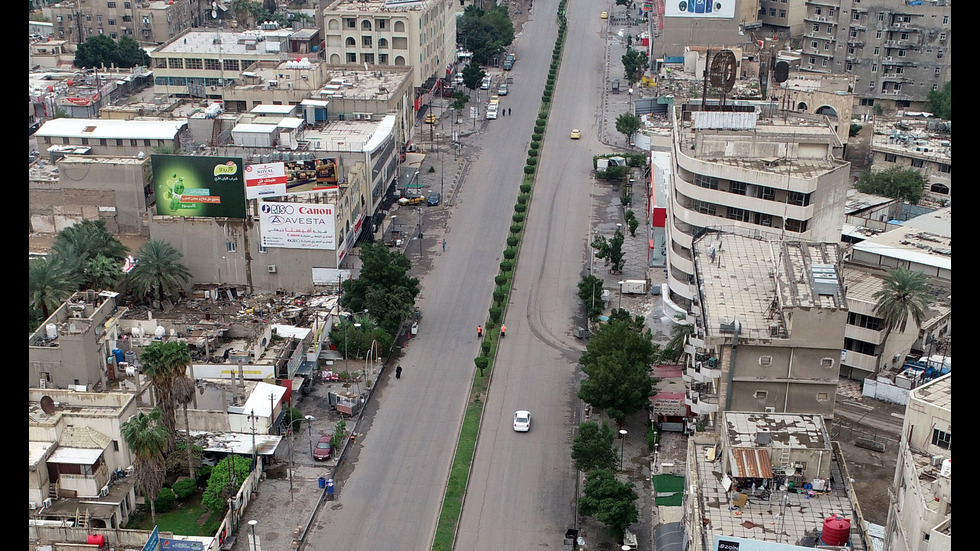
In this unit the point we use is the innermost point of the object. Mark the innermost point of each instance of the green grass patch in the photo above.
(189, 518)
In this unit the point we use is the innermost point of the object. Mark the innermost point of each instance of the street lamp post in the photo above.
(255, 543)
(309, 426)
(622, 447)
(620, 294)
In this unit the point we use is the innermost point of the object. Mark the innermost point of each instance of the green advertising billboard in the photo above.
(199, 186)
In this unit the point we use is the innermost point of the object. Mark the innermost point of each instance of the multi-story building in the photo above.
(769, 481)
(780, 177)
(769, 322)
(75, 446)
(147, 22)
(920, 507)
(375, 34)
(898, 51)
(200, 63)
(72, 347)
(110, 137)
(923, 145)
(679, 25)
(786, 15)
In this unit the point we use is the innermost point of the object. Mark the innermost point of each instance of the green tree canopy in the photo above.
(484, 32)
(901, 183)
(158, 275)
(224, 483)
(628, 124)
(616, 361)
(147, 439)
(635, 63)
(164, 363)
(472, 76)
(904, 296)
(593, 447)
(940, 102)
(100, 50)
(383, 287)
(49, 283)
(590, 291)
(610, 250)
(610, 501)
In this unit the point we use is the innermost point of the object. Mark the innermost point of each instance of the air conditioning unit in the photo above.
(770, 409)
(31, 505)
(272, 268)
(47, 503)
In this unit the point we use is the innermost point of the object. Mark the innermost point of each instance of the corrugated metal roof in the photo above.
(751, 463)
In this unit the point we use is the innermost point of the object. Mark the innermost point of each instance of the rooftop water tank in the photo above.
(836, 531)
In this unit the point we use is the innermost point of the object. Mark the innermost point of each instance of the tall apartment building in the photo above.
(898, 50)
(920, 516)
(146, 22)
(788, 14)
(769, 322)
(780, 177)
(379, 33)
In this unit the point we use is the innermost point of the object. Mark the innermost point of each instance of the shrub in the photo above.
(482, 362)
(523, 198)
(535, 145)
(528, 170)
(537, 136)
(203, 474)
(518, 217)
(525, 188)
(339, 431)
(532, 152)
(499, 294)
(495, 313)
(520, 207)
(506, 265)
(516, 228)
(165, 501)
(539, 129)
(532, 161)
(185, 488)
(513, 240)
(509, 253)
(500, 280)
(542, 120)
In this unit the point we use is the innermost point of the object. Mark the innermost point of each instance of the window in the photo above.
(941, 439)
(738, 188)
(799, 199)
(827, 362)
(383, 59)
(231, 65)
(351, 23)
(816, 28)
(232, 246)
(212, 65)
(813, 44)
(772, 12)
(861, 347)
(901, 53)
(874, 67)
(917, 163)
(112, 22)
(890, 157)
(351, 58)
(822, 396)
(782, 13)
(761, 394)
(797, 226)
(706, 181)
(703, 207)
(382, 24)
(878, 35)
(366, 41)
(877, 51)
(110, 4)
(867, 322)
(766, 192)
(263, 249)
(765, 360)
(351, 42)
(740, 215)
(945, 169)
(194, 64)
(115, 445)
(365, 25)
(763, 219)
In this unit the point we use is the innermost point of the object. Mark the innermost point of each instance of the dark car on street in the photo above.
(323, 450)
(434, 199)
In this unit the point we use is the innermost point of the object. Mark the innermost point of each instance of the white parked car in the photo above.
(492, 112)
(522, 420)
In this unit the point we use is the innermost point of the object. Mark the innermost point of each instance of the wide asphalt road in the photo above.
(523, 485)
(392, 497)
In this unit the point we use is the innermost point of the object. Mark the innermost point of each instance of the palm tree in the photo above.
(183, 393)
(159, 273)
(90, 238)
(904, 295)
(49, 283)
(164, 363)
(102, 272)
(679, 332)
(147, 440)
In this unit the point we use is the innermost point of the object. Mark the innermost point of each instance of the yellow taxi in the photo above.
(604, 15)
(431, 118)
(576, 133)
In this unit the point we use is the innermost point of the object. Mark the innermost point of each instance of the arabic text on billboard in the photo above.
(199, 186)
(265, 179)
(716, 9)
(298, 226)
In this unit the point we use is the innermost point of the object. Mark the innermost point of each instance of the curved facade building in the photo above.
(779, 178)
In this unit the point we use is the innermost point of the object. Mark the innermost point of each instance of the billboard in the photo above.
(729, 543)
(298, 226)
(709, 9)
(265, 179)
(199, 186)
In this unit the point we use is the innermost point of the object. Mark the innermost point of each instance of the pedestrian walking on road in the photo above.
(479, 331)
(503, 330)
(443, 245)
(398, 372)
(508, 111)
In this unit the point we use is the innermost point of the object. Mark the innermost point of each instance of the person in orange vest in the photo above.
(479, 331)
(503, 330)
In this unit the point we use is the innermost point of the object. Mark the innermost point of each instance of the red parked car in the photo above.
(323, 450)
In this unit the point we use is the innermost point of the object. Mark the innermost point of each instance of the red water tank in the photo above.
(836, 530)
(96, 540)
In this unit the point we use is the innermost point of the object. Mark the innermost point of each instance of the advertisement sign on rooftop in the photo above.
(199, 186)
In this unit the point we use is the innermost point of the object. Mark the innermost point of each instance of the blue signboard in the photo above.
(153, 544)
(182, 545)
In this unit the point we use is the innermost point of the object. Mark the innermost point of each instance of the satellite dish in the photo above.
(47, 405)
(214, 14)
(782, 71)
(722, 73)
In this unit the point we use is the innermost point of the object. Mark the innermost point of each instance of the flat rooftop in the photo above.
(925, 240)
(787, 430)
(377, 6)
(225, 43)
(785, 517)
(919, 137)
(738, 279)
(938, 392)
